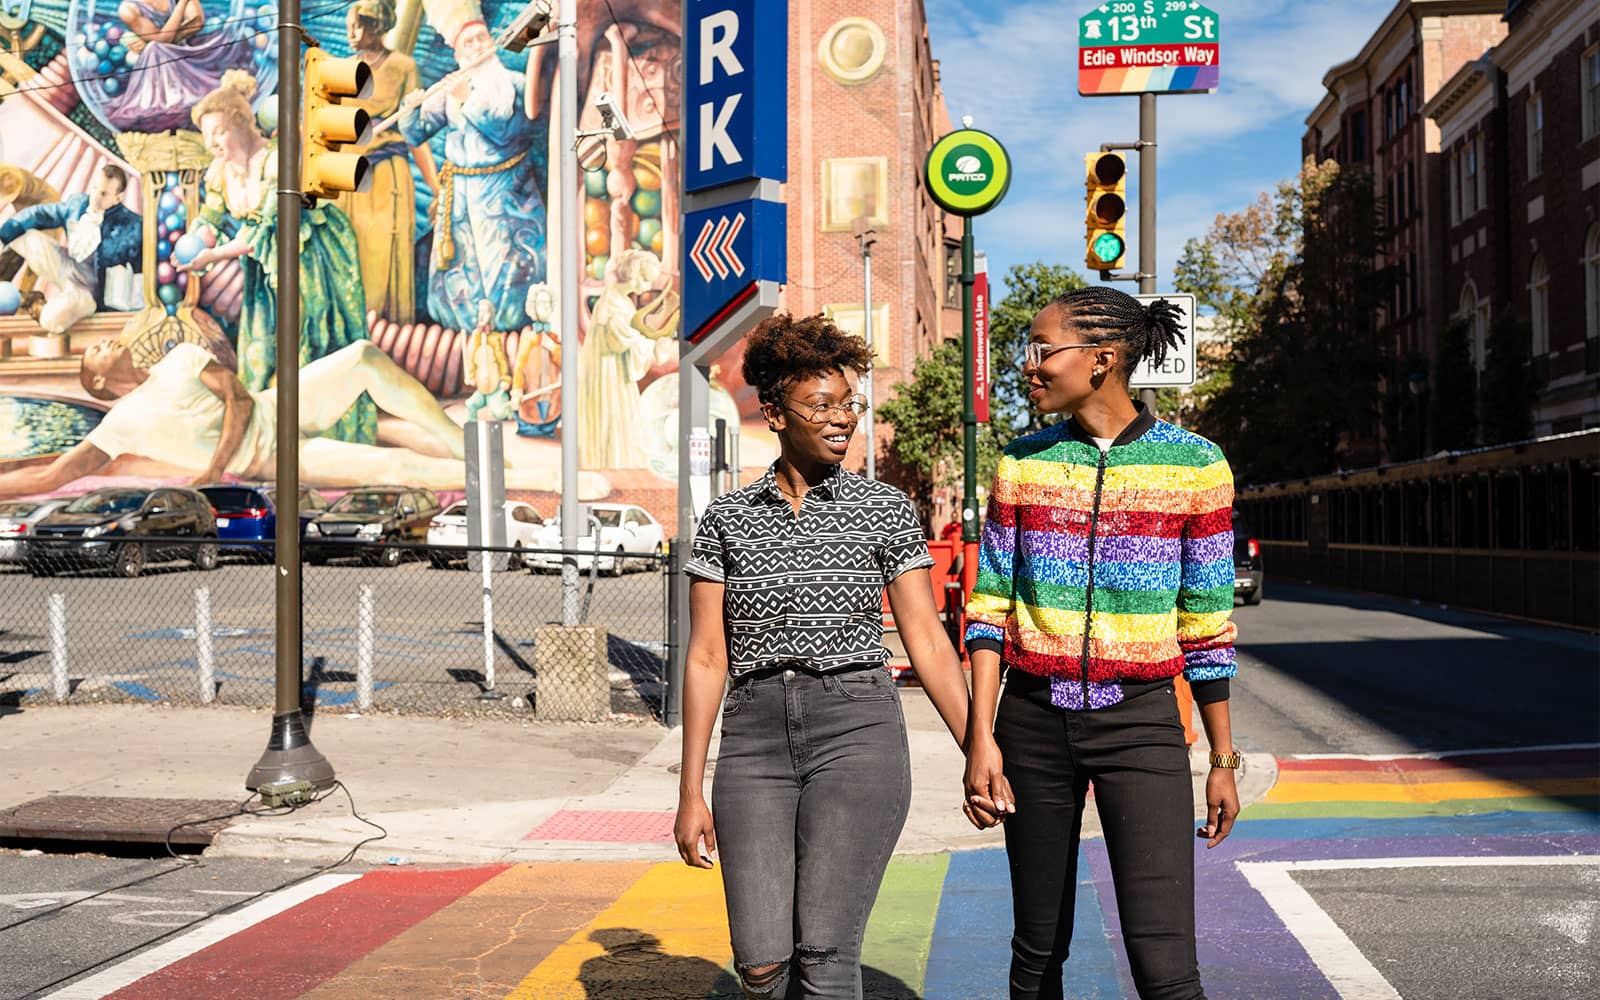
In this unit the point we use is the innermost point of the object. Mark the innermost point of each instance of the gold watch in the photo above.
(1227, 760)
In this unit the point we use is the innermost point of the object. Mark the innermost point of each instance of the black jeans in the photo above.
(1135, 755)
(812, 786)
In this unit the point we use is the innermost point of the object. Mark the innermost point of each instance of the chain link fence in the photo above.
(386, 627)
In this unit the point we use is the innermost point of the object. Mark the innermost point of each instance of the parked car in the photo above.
(248, 516)
(369, 522)
(1249, 579)
(126, 529)
(449, 529)
(17, 519)
(628, 535)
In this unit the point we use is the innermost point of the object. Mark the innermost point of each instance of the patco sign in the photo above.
(968, 172)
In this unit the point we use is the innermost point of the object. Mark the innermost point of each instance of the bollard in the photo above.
(364, 651)
(203, 652)
(58, 647)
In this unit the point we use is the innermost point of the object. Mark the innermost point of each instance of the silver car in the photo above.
(17, 519)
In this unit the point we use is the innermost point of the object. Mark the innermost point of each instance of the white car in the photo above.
(629, 536)
(449, 528)
(17, 520)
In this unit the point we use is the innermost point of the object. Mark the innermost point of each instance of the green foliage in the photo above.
(1291, 282)
(1452, 415)
(1507, 386)
(1029, 288)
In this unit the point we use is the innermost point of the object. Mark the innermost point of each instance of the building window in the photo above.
(1591, 283)
(1475, 314)
(1388, 203)
(952, 276)
(1539, 305)
(1469, 179)
(1358, 136)
(1591, 93)
(1411, 189)
(1535, 117)
(1480, 175)
(1454, 170)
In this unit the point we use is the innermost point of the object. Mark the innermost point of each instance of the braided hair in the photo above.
(1110, 316)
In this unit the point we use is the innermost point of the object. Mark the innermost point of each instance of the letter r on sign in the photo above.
(717, 34)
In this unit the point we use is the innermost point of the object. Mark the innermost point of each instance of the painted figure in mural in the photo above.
(536, 375)
(485, 369)
(101, 234)
(189, 411)
(617, 352)
(20, 189)
(170, 60)
(241, 207)
(387, 209)
(489, 227)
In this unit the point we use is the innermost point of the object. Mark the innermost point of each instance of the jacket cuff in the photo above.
(1207, 692)
(985, 642)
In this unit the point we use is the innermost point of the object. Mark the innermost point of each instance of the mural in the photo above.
(138, 218)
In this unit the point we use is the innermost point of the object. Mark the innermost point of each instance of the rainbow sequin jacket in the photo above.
(1120, 559)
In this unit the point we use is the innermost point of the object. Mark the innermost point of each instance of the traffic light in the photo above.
(330, 124)
(1105, 178)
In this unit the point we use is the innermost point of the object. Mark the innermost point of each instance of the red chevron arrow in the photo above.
(725, 246)
(716, 238)
(697, 252)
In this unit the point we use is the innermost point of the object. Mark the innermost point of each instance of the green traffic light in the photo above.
(1108, 247)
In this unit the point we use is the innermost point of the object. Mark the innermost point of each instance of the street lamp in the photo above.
(867, 236)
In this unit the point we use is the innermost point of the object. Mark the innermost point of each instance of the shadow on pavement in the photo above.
(635, 966)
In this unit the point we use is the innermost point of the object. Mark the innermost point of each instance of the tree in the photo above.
(1291, 281)
(1029, 288)
(1453, 415)
(1507, 386)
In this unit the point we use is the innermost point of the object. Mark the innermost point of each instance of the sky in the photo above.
(1012, 66)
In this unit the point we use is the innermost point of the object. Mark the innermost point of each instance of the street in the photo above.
(1432, 832)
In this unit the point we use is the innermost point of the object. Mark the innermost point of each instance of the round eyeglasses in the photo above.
(850, 409)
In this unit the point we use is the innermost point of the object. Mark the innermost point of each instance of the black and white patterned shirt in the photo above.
(806, 591)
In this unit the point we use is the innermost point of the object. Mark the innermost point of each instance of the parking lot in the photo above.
(138, 639)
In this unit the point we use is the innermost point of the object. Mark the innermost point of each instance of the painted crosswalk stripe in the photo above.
(901, 925)
(220, 929)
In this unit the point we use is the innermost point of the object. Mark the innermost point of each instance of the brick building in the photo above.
(1520, 134)
(865, 107)
(1371, 116)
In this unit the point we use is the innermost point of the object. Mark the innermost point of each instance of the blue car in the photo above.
(247, 516)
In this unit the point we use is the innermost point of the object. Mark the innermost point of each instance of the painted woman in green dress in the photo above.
(241, 209)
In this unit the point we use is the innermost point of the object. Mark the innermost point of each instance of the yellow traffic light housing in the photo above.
(330, 124)
(1106, 181)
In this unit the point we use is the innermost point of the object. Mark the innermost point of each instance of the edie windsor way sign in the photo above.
(1148, 47)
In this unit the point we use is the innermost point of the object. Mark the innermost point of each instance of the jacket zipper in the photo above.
(1088, 594)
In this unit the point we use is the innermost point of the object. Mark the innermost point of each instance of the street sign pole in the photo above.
(290, 755)
(1147, 212)
(969, 406)
(567, 70)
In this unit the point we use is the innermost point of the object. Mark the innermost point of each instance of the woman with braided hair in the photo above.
(1105, 571)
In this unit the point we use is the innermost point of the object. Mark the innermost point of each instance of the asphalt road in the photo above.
(133, 640)
(64, 914)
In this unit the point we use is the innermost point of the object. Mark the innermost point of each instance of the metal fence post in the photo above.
(204, 657)
(58, 647)
(364, 650)
(676, 629)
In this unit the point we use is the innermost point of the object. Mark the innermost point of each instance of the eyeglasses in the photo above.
(1033, 354)
(850, 409)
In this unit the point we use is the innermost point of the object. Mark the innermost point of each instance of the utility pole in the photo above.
(1147, 212)
(867, 236)
(290, 755)
(567, 177)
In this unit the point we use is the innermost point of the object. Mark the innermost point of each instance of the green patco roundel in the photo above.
(968, 172)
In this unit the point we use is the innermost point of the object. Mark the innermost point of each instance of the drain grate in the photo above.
(110, 819)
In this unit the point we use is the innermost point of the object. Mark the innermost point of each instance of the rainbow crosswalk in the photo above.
(587, 930)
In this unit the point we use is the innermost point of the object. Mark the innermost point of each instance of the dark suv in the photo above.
(1248, 576)
(125, 529)
(367, 522)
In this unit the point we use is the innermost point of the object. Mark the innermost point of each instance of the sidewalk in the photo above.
(449, 791)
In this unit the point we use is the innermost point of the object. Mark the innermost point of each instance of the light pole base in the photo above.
(290, 756)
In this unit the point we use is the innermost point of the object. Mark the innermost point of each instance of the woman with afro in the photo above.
(1106, 571)
(813, 777)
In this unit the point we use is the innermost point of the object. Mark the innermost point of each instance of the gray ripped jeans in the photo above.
(811, 789)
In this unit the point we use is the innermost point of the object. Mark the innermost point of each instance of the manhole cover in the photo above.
(114, 820)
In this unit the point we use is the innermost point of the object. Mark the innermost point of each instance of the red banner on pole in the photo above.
(980, 341)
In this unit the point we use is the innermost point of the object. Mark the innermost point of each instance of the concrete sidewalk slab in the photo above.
(457, 790)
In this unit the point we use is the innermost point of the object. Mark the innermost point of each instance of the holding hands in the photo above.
(987, 800)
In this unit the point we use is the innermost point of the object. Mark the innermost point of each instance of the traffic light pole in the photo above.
(290, 755)
(1147, 212)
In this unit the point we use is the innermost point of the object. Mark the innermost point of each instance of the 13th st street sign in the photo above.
(1148, 47)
